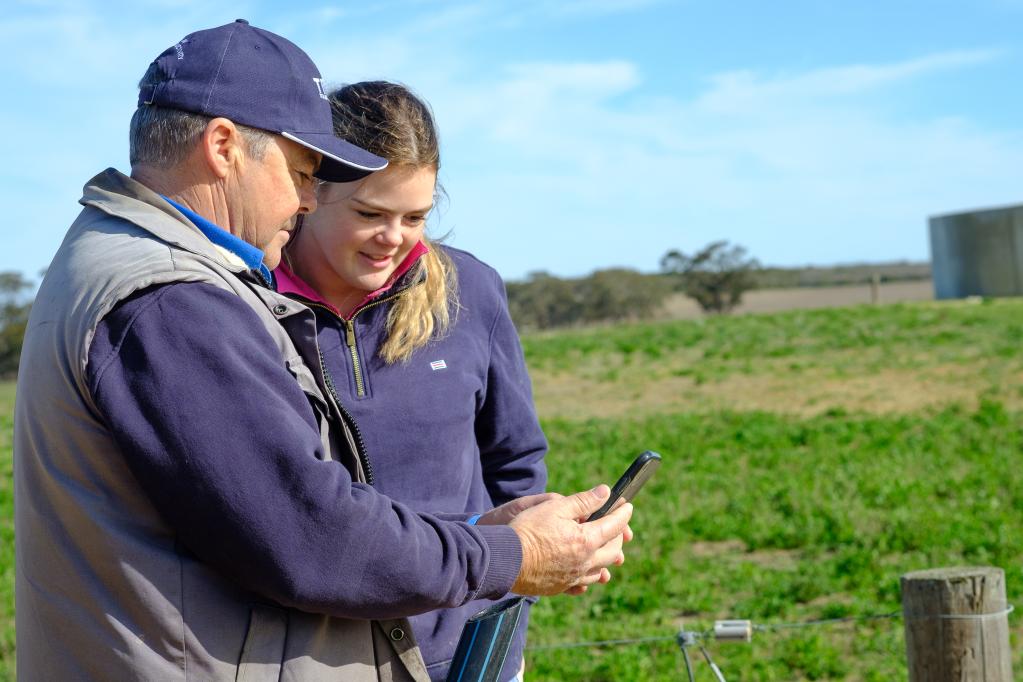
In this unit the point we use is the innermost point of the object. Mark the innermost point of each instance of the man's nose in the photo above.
(307, 198)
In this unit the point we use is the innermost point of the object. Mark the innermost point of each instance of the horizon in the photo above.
(584, 136)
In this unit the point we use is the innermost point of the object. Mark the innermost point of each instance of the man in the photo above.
(191, 501)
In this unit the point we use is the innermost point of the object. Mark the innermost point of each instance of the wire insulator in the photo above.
(733, 630)
(687, 638)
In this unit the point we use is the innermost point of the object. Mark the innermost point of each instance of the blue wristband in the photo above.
(473, 519)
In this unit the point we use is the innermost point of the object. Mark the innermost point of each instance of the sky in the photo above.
(587, 134)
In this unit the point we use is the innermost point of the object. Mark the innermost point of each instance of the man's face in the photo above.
(270, 193)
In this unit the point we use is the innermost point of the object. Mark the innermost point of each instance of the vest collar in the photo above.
(118, 195)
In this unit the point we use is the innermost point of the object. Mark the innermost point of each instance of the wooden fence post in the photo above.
(875, 288)
(957, 625)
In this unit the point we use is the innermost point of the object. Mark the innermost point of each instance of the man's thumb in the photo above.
(588, 501)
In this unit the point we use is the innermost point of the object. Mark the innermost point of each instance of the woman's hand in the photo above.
(503, 515)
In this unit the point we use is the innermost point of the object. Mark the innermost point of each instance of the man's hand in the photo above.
(560, 554)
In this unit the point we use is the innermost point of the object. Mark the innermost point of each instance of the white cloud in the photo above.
(738, 91)
(559, 165)
(524, 11)
(600, 6)
(590, 80)
(536, 104)
(807, 159)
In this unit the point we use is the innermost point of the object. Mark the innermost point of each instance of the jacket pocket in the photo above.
(263, 650)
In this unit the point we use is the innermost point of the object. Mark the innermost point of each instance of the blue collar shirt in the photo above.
(249, 254)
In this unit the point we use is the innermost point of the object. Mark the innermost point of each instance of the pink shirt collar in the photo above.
(290, 283)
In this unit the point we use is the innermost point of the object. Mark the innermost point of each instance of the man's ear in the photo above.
(222, 146)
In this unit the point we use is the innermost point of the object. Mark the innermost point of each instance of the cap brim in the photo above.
(342, 161)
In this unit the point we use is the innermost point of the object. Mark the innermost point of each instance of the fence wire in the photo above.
(709, 634)
(688, 638)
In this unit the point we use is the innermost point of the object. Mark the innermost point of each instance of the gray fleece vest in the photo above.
(103, 591)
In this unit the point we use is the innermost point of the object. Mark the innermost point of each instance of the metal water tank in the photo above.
(978, 253)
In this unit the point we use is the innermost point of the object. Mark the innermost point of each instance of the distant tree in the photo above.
(543, 301)
(14, 311)
(621, 294)
(716, 276)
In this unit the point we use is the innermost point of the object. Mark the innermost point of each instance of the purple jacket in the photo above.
(453, 430)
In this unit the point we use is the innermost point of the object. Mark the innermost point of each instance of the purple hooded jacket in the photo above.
(466, 395)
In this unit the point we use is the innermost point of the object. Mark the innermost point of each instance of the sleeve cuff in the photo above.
(505, 561)
(457, 517)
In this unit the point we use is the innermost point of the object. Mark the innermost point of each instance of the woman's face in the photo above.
(362, 231)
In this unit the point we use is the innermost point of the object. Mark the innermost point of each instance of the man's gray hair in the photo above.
(163, 137)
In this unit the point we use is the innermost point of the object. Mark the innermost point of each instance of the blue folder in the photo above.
(484, 643)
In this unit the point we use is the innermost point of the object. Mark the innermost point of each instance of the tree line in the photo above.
(716, 277)
(14, 309)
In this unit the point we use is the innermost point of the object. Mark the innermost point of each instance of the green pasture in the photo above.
(780, 519)
(811, 457)
(900, 358)
(6, 533)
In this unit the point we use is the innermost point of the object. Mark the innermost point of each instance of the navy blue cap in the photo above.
(260, 80)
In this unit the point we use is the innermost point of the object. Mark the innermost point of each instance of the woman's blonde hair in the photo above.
(388, 120)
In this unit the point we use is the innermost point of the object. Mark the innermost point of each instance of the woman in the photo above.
(416, 338)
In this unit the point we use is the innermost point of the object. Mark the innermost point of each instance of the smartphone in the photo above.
(631, 481)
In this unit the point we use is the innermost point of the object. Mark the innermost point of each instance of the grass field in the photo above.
(6, 533)
(811, 457)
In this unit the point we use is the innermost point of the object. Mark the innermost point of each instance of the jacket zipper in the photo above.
(353, 350)
(360, 382)
(360, 385)
(360, 444)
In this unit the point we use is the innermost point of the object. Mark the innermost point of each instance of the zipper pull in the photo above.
(350, 334)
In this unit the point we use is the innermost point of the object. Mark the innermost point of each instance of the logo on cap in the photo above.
(180, 48)
(319, 86)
